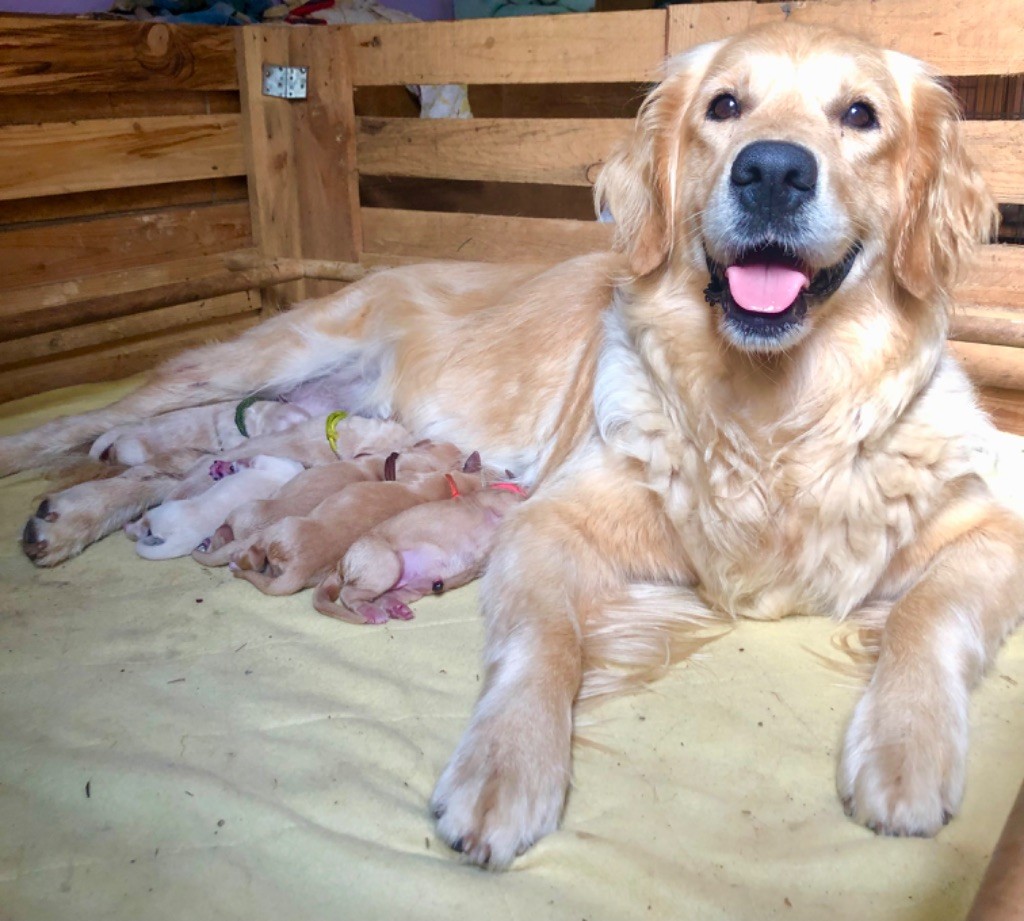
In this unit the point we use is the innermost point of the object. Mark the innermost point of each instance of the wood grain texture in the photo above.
(107, 332)
(996, 279)
(487, 238)
(996, 147)
(34, 109)
(62, 157)
(980, 38)
(40, 253)
(583, 48)
(1005, 407)
(557, 151)
(991, 365)
(301, 155)
(96, 56)
(118, 201)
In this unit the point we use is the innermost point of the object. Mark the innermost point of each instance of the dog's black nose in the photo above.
(774, 178)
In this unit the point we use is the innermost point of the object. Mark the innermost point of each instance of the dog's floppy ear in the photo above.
(637, 185)
(947, 210)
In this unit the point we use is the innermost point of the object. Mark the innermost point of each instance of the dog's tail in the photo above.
(325, 600)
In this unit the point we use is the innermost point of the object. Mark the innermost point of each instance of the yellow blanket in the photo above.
(174, 745)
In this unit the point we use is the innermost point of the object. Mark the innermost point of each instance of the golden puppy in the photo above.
(296, 553)
(300, 496)
(750, 400)
(431, 548)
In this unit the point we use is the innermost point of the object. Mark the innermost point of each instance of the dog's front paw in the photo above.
(503, 790)
(903, 762)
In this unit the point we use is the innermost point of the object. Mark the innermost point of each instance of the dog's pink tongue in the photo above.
(765, 288)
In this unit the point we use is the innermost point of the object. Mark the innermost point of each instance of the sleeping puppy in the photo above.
(69, 520)
(297, 553)
(747, 409)
(215, 428)
(301, 495)
(175, 527)
(426, 549)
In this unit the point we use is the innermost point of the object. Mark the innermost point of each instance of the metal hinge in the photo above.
(284, 82)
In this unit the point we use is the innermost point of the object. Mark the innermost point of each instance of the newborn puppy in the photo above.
(174, 528)
(429, 548)
(298, 497)
(296, 553)
(213, 428)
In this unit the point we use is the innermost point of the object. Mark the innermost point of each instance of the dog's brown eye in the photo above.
(437, 587)
(860, 116)
(723, 107)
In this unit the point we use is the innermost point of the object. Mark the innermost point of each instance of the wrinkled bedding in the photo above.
(175, 745)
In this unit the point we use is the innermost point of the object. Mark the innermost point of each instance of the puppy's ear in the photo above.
(638, 184)
(947, 210)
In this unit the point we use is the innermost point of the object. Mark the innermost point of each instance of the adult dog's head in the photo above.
(788, 166)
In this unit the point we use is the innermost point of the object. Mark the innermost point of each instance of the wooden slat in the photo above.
(60, 55)
(118, 201)
(571, 151)
(585, 48)
(558, 151)
(995, 325)
(479, 237)
(301, 155)
(996, 147)
(115, 361)
(982, 37)
(32, 109)
(996, 279)
(56, 252)
(63, 157)
(106, 332)
(991, 365)
(24, 300)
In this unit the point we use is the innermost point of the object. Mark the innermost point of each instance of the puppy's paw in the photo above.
(903, 763)
(503, 790)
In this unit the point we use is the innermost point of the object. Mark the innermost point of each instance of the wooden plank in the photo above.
(996, 279)
(93, 56)
(478, 237)
(558, 151)
(56, 252)
(994, 325)
(118, 201)
(115, 361)
(19, 301)
(33, 109)
(106, 332)
(63, 157)
(303, 186)
(951, 36)
(991, 365)
(571, 151)
(995, 146)
(584, 48)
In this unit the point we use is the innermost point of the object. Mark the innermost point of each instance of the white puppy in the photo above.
(176, 527)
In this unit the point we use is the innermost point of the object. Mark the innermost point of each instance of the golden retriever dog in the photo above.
(748, 409)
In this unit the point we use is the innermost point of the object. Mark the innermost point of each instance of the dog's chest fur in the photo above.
(776, 522)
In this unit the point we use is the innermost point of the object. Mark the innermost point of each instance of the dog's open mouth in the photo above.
(765, 292)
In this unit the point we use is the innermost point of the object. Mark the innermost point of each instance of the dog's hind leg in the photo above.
(311, 341)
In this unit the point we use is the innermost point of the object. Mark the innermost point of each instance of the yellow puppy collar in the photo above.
(331, 428)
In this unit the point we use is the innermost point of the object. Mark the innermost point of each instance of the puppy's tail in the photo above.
(641, 634)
